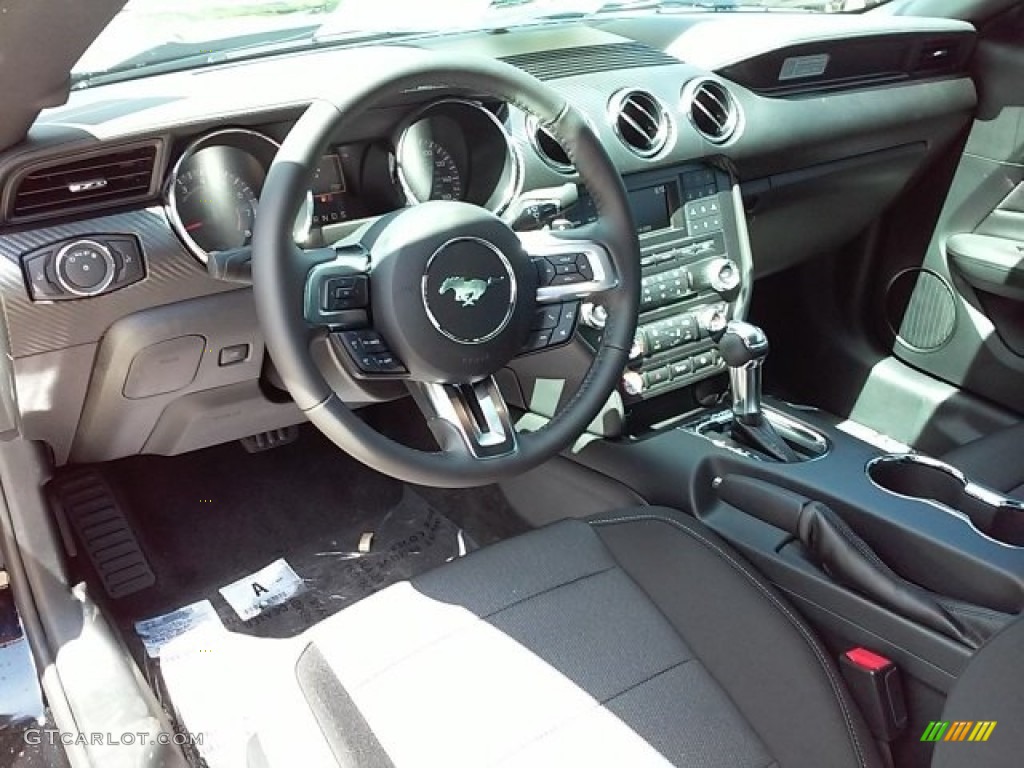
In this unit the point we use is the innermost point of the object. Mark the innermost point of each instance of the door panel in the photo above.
(959, 313)
(1007, 220)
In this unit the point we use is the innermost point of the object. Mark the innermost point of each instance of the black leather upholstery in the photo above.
(639, 639)
(996, 461)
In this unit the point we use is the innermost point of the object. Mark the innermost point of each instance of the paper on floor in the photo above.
(270, 586)
(158, 631)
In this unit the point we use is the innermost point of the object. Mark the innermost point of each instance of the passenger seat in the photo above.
(995, 460)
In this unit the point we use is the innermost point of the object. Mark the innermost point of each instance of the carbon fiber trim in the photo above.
(172, 274)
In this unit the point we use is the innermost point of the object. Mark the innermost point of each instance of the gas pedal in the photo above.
(275, 438)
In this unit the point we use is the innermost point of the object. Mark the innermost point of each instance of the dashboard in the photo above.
(124, 339)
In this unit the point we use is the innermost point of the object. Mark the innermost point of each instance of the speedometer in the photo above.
(456, 150)
(429, 171)
(445, 179)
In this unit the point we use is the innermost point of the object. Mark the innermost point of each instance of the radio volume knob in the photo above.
(722, 275)
(633, 383)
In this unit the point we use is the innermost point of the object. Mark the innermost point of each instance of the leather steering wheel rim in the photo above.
(278, 283)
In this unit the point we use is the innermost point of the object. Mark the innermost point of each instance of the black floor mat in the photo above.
(208, 518)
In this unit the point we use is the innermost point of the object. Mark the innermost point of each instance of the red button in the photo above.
(865, 659)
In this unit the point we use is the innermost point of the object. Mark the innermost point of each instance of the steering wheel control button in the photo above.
(564, 317)
(545, 271)
(369, 352)
(584, 267)
(85, 267)
(538, 340)
(339, 294)
(469, 290)
(564, 269)
(546, 318)
(566, 325)
(385, 362)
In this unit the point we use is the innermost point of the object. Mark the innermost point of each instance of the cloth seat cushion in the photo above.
(636, 639)
(994, 461)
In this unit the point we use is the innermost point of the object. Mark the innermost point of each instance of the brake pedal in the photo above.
(274, 438)
(89, 504)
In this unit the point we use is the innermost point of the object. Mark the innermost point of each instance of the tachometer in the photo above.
(217, 207)
(214, 190)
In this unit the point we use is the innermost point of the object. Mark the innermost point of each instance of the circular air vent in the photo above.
(712, 110)
(640, 121)
(548, 149)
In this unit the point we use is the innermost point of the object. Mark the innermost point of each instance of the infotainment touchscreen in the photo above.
(653, 207)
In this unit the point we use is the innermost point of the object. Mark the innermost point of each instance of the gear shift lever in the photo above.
(744, 347)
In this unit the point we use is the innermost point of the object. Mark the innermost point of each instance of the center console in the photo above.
(897, 553)
(697, 273)
(949, 551)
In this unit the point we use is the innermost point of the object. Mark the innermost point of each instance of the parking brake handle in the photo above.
(849, 559)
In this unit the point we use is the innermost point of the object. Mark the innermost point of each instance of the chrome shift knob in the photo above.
(744, 347)
(743, 344)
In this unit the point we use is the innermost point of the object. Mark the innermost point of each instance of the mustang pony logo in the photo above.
(467, 291)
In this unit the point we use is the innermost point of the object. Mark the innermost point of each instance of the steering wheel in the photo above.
(450, 342)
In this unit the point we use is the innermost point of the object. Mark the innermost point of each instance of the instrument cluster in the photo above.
(451, 149)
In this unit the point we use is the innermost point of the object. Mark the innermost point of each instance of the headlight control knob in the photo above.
(84, 268)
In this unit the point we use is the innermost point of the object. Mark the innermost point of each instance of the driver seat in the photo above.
(635, 639)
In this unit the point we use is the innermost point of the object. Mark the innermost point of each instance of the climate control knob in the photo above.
(633, 383)
(722, 275)
(713, 321)
(84, 268)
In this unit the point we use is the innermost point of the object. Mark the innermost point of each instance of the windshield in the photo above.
(158, 33)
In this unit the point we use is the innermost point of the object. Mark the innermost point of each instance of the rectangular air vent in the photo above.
(97, 180)
(583, 60)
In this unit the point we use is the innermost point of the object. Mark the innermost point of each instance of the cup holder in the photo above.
(918, 477)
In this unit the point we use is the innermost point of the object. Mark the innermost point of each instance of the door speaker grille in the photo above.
(921, 309)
